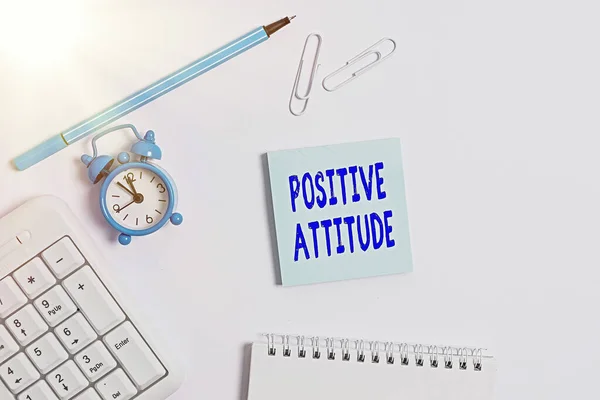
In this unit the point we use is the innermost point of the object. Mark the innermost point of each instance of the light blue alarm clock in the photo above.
(137, 198)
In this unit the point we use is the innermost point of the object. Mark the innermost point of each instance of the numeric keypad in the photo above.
(64, 336)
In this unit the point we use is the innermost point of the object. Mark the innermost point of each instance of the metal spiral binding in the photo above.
(360, 355)
(271, 344)
(433, 357)
(389, 352)
(345, 349)
(448, 361)
(394, 353)
(419, 355)
(301, 347)
(404, 354)
(316, 352)
(330, 348)
(462, 358)
(286, 346)
(375, 352)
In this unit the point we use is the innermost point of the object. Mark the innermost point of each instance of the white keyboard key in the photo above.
(26, 325)
(5, 393)
(95, 361)
(34, 278)
(116, 386)
(18, 373)
(55, 306)
(94, 300)
(8, 346)
(89, 394)
(46, 353)
(39, 391)
(131, 350)
(67, 380)
(63, 257)
(11, 297)
(75, 333)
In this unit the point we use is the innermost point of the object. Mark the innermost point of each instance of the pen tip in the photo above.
(277, 25)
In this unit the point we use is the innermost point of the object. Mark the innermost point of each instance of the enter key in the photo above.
(126, 344)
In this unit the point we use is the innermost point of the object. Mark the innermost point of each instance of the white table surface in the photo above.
(497, 107)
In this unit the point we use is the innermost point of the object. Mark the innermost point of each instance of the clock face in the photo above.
(137, 198)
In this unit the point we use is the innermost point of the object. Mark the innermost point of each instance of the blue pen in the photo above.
(146, 95)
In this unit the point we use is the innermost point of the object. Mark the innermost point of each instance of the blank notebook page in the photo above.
(275, 377)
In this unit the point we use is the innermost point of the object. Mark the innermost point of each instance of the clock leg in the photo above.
(176, 219)
(124, 239)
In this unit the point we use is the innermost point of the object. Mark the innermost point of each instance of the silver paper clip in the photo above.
(366, 53)
(311, 80)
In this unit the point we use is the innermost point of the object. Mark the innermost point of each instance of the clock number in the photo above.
(129, 177)
(117, 208)
(161, 186)
(149, 219)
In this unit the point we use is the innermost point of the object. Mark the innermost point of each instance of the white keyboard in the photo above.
(65, 333)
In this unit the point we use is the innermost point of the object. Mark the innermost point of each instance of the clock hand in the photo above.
(130, 182)
(123, 186)
(126, 205)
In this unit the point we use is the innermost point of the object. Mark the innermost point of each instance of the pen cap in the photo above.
(40, 152)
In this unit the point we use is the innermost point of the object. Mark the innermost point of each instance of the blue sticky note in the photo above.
(340, 211)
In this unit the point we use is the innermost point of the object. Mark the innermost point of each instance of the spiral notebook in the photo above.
(311, 368)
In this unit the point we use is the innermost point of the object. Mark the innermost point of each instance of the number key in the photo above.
(18, 373)
(47, 353)
(67, 380)
(95, 361)
(11, 297)
(34, 278)
(55, 306)
(116, 386)
(26, 325)
(39, 391)
(75, 333)
(8, 346)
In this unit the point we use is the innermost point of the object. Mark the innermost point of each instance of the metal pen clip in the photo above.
(311, 80)
(379, 57)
